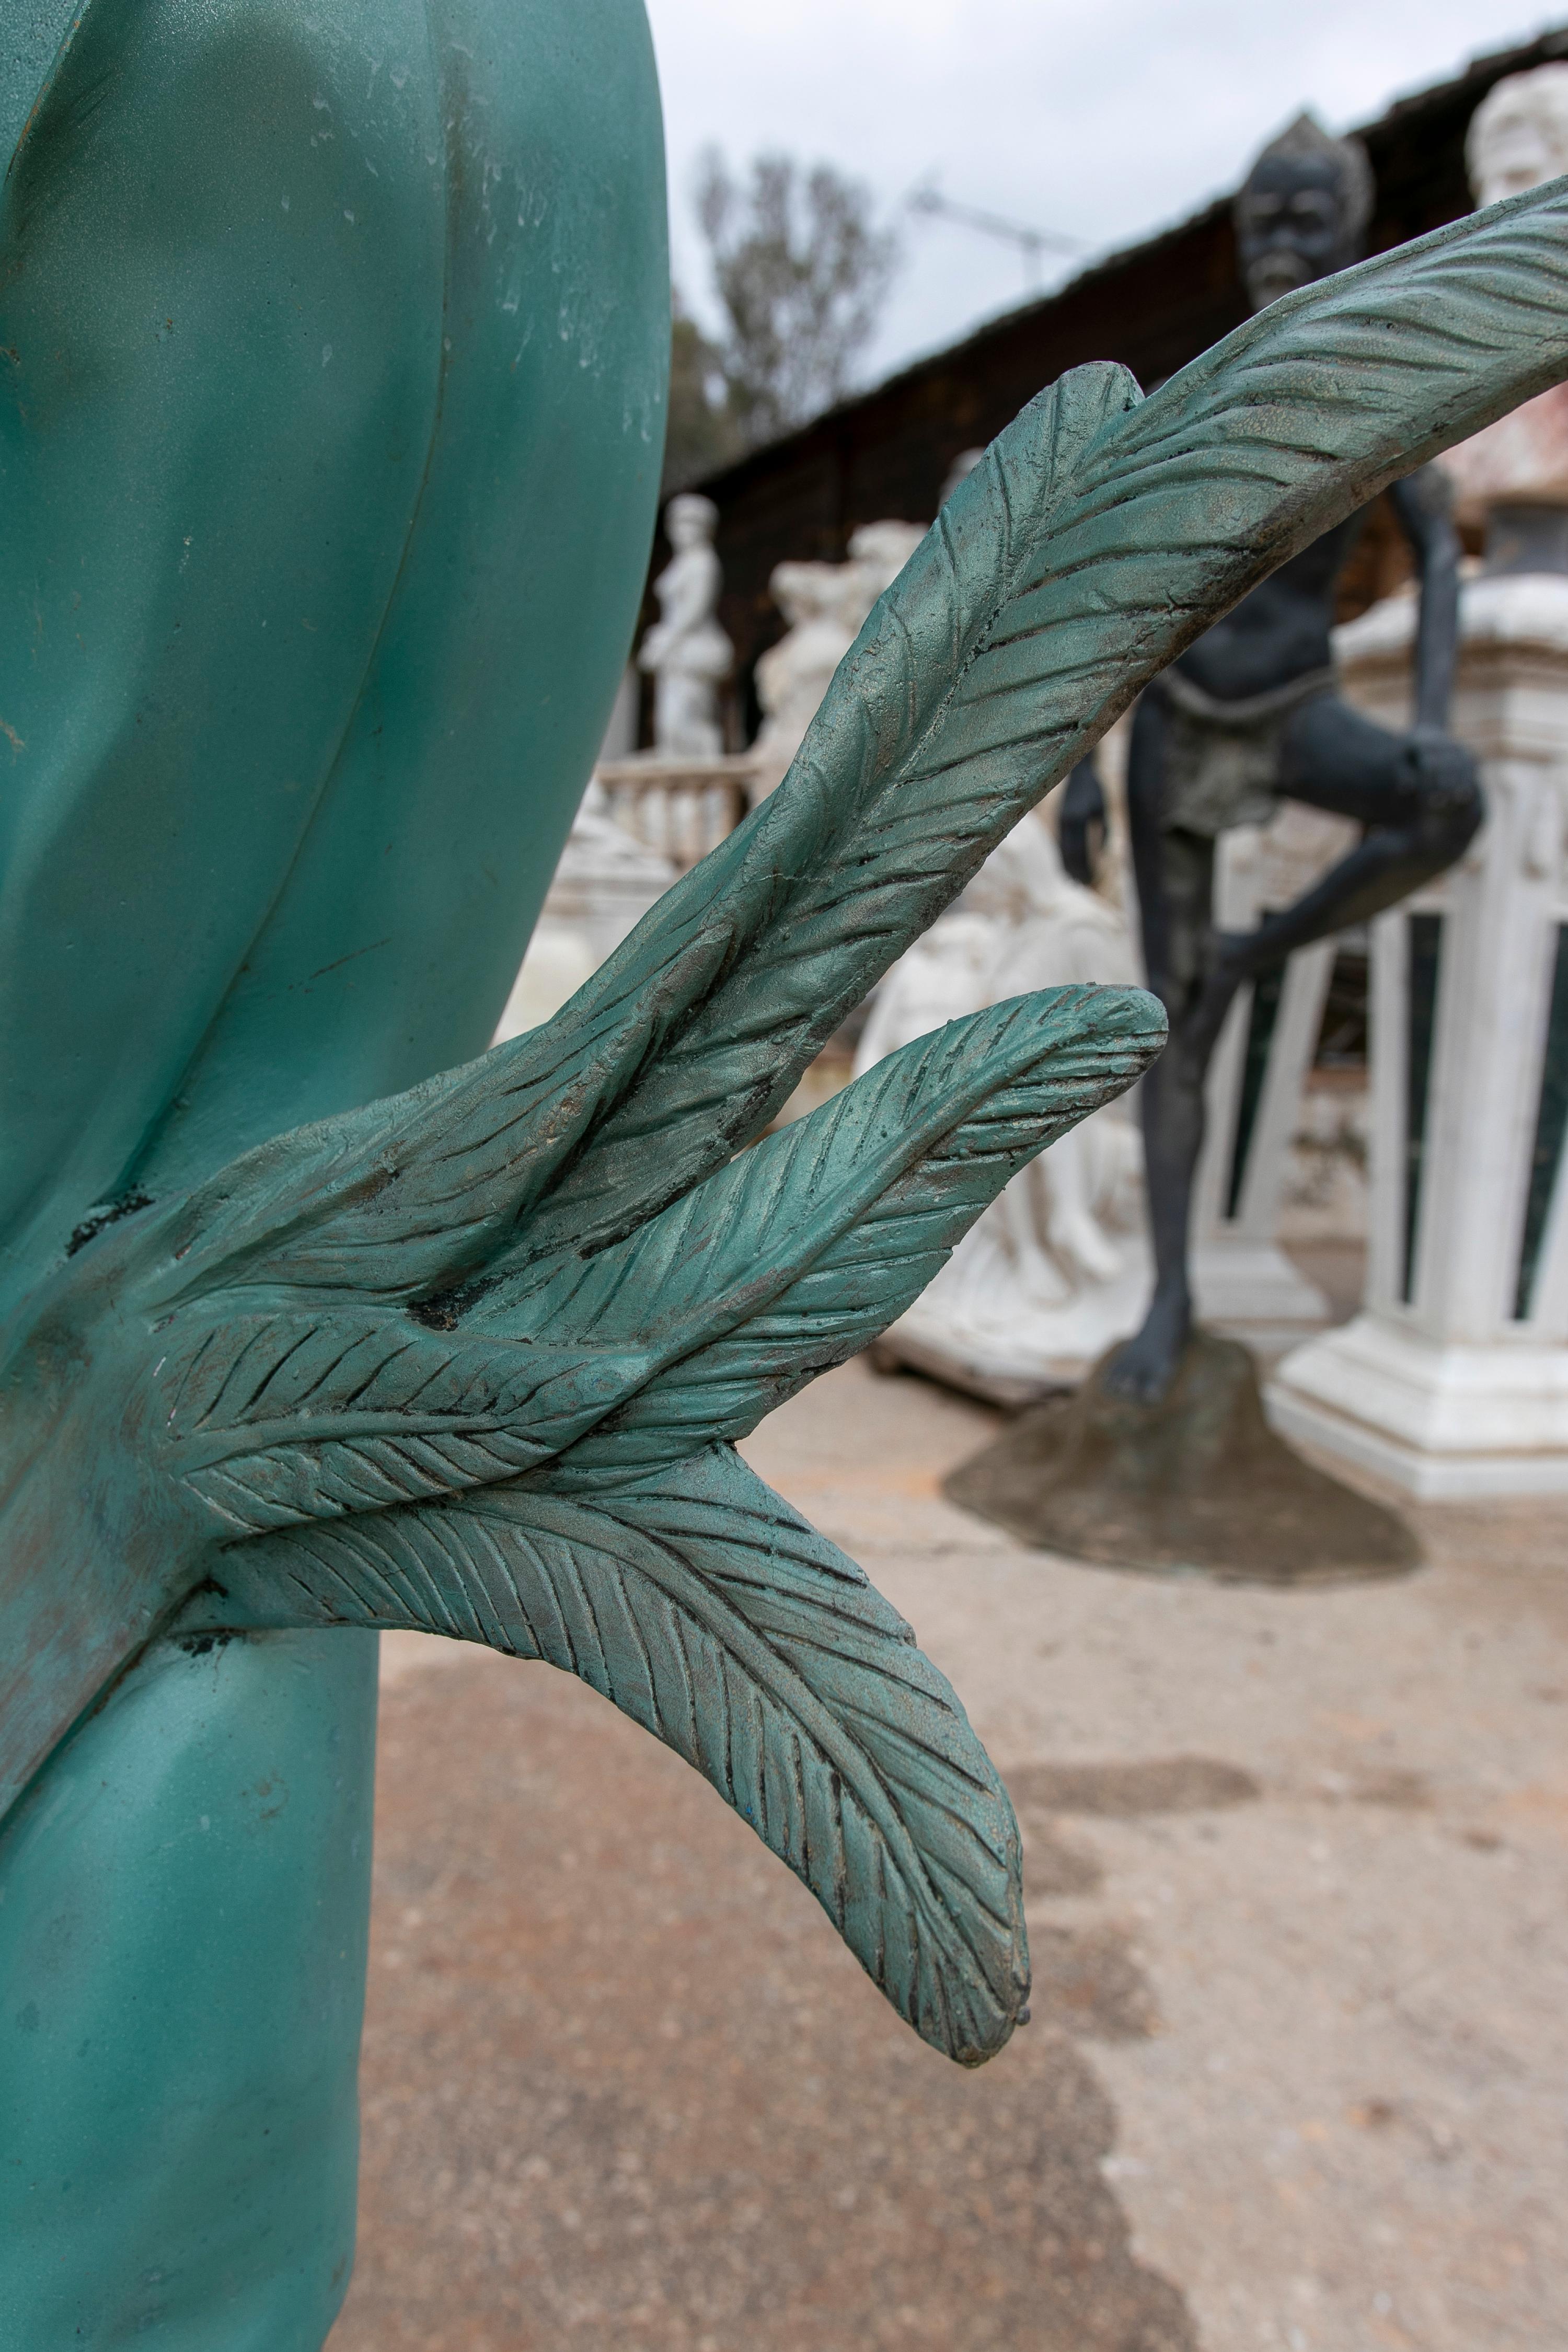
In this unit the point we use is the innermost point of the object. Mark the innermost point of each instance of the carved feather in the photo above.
(274, 1419)
(709, 1610)
(494, 1484)
(779, 1266)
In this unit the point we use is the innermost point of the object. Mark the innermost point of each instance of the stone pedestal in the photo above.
(678, 804)
(1453, 1381)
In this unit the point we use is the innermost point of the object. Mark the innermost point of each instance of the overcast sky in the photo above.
(1100, 120)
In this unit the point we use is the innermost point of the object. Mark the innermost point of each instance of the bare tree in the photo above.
(702, 432)
(801, 270)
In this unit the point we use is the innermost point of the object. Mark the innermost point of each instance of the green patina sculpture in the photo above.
(334, 342)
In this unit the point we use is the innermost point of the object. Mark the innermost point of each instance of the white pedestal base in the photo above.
(1250, 1287)
(1445, 1422)
(1012, 1351)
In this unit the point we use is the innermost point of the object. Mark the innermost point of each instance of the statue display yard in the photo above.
(1061, 1267)
(1453, 1381)
(317, 1324)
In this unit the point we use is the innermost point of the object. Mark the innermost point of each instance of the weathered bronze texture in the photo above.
(303, 674)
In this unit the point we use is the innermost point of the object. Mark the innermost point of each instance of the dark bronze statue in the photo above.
(1248, 715)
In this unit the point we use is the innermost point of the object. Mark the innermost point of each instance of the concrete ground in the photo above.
(1295, 1869)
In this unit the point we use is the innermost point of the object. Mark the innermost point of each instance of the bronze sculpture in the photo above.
(1248, 715)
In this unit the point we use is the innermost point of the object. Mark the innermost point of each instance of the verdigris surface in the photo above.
(473, 1358)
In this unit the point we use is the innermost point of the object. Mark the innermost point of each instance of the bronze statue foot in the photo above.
(1142, 1369)
(1193, 1483)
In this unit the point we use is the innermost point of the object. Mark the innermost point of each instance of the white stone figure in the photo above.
(1518, 139)
(686, 650)
(1057, 1267)
(604, 885)
(821, 602)
(683, 796)
(825, 604)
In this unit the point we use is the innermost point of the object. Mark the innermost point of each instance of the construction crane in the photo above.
(1034, 243)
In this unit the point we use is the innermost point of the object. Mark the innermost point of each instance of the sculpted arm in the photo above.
(1424, 505)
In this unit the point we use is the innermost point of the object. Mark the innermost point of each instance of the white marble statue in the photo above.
(825, 604)
(1518, 139)
(1058, 1269)
(686, 650)
(821, 602)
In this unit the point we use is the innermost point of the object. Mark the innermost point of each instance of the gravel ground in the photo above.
(1296, 1867)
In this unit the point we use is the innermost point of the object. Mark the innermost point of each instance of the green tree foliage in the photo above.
(801, 271)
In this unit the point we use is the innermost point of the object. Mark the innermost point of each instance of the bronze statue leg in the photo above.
(1420, 800)
(1418, 796)
(1175, 873)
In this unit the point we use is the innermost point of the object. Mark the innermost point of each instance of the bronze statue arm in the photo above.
(1424, 505)
(1080, 811)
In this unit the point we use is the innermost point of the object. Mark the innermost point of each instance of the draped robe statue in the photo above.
(686, 650)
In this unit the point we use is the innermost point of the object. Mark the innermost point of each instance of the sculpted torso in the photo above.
(1280, 632)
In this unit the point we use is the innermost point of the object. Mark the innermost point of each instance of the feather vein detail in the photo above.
(709, 1610)
(785, 1261)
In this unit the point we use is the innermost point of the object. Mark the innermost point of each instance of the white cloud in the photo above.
(1100, 121)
